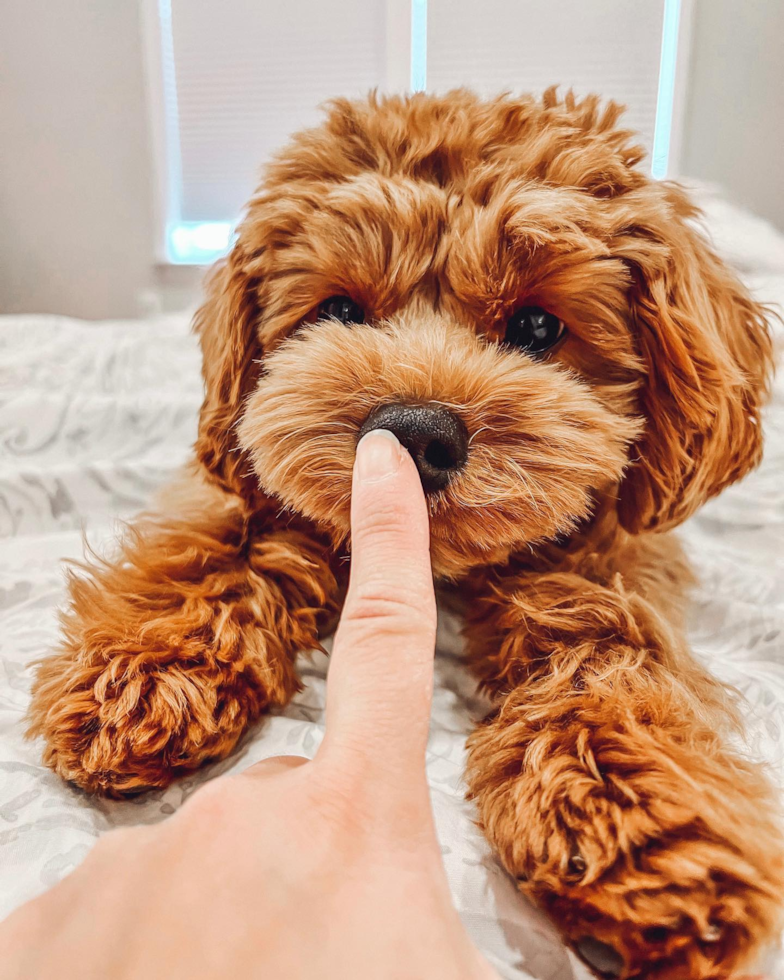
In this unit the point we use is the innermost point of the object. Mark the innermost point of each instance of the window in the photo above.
(231, 79)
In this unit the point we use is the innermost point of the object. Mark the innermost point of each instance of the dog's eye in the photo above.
(533, 330)
(341, 308)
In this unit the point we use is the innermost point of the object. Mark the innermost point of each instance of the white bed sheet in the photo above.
(94, 417)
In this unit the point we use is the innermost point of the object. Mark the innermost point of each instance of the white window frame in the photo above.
(199, 243)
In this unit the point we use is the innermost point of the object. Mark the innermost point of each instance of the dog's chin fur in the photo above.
(541, 443)
(604, 777)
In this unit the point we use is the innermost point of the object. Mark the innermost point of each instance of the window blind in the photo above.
(612, 47)
(242, 75)
(249, 73)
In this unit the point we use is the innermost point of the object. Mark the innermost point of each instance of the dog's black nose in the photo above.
(435, 437)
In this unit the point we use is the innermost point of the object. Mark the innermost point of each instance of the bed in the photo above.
(94, 417)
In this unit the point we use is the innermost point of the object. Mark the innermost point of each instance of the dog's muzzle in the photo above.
(435, 437)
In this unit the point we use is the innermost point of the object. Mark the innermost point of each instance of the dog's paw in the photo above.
(688, 909)
(654, 864)
(118, 731)
(119, 722)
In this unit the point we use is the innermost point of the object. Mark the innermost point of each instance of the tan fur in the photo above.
(604, 778)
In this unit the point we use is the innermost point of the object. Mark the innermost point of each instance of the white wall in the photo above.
(734, 121)
(76, 231)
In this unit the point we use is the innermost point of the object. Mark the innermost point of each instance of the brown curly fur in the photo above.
(605, 777)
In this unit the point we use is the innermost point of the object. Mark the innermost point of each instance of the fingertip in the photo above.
(379, 456)
(387, 497)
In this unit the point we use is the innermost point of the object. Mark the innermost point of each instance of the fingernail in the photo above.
(378, 455)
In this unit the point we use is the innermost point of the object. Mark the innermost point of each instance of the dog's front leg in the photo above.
(172, 650)
(604, 782)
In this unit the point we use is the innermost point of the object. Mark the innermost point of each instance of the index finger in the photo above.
(381, 671)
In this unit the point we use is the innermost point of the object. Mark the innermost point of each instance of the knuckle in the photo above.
(402, 610)
(212, 803)
(388, 510)
(340, 802)
(388, 526)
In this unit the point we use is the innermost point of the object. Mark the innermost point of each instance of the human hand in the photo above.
(294, 868)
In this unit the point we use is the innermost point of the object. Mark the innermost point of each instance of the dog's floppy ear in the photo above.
(227, 325)
(707, 357)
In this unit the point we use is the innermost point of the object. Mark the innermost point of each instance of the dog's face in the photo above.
(498, 284)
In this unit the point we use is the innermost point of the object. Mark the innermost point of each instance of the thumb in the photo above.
(381, 670)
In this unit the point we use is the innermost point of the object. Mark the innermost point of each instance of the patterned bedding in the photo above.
(95, 416)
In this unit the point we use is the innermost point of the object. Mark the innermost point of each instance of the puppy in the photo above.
(574, 372)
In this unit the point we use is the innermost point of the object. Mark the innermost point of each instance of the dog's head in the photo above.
(499, 284)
